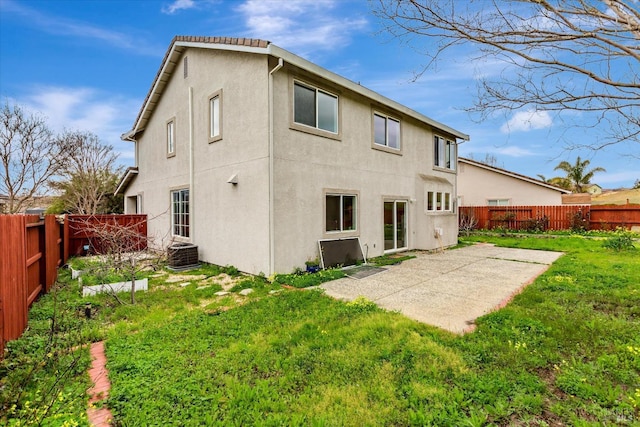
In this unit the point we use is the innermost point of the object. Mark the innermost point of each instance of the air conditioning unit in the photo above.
(182, 256)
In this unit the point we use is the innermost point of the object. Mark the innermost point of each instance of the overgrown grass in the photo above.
(565, 352)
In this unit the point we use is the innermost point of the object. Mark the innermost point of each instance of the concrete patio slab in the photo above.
(449, 289)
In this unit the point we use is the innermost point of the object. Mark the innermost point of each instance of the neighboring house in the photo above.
(593, 189)
(482, 185)
(255, 154)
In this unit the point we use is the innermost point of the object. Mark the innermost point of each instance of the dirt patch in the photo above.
(179, 278)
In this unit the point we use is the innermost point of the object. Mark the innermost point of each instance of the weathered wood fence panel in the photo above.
(13, 292)
(562, 217)
(31, 251)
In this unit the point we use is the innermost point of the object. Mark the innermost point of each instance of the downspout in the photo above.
(192, 211)
(272, 244)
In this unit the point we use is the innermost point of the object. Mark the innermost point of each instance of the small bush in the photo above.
(305, 280)
(622, 240)
(579, 222)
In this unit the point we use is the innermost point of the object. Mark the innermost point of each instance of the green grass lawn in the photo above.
(566, 351)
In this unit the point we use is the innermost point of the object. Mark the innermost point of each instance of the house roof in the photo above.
(513, 175)
(181, 43)
(129, 175)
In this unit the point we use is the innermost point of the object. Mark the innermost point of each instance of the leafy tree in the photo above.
(577, 174)
(91, 176)
(558, 181)
(636, 184)
(580, 55)
(30, 156)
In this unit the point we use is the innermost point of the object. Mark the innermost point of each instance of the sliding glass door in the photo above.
(395, 225)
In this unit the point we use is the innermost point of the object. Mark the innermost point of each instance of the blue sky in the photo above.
(88, 65)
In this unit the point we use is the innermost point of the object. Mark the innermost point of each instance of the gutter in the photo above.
(272, 244)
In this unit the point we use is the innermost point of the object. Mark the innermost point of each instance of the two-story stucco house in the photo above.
(255, 154)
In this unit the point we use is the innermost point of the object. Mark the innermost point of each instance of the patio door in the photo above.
(395, 225)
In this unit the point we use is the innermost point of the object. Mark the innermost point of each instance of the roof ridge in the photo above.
(235, 41)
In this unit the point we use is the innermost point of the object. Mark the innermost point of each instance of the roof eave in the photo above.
(129, 175)
(357, 88)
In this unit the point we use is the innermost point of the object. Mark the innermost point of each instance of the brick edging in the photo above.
(98, 416)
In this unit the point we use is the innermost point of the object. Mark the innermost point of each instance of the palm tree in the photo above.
(558, 181)
(577, 174)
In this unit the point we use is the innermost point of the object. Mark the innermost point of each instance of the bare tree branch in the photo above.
(580, 55)
(29, 156)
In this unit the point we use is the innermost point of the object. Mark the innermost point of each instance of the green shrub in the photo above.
(622, 240)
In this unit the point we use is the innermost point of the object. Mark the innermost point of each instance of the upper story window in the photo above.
(215, 116)
(444, 153)
(171, 138)
(386, 131)
(498, 202)
(315, 108)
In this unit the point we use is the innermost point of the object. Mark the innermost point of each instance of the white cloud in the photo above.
(86, 109)
(178, 5)
(525, 121)
(513, 151)
(303, 26)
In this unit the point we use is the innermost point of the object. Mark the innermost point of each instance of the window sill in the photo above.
(396, 151)
(340, 234)
(315, 131)
(441, 169)
(215, 139)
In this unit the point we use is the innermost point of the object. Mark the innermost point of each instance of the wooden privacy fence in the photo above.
(82, 232)
(30, 254)
(563, 217)
(31, 250)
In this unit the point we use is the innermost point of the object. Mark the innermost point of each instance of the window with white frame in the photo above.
(386, 131)
(315, 108)
(498, 202)
(180, 212)
(215, 116)
(444, 153)
(439, 201)
(340, 212)
(171, 137)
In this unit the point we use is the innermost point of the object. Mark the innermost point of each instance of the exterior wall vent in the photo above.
(185, 66)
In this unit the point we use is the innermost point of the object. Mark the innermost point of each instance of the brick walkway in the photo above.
(98, 416)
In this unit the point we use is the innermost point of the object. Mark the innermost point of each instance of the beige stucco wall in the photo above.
(476, 185)
(230, 223)
(307, 166)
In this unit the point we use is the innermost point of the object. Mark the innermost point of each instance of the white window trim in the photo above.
(217, 137)
(314, 129)
(171, 137)
(434, 202)
(385, 146)
(498, 201)
(449, 147)
(172, 213)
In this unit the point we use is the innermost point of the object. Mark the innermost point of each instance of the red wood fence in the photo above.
(81, 231)
(30, 254)
(32, 249)
(563, 217)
